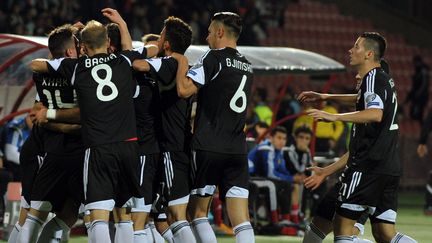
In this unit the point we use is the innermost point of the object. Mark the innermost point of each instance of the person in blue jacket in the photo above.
(267, 160)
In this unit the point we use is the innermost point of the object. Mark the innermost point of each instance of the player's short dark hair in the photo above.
(149, 37)
(376, 42)
(277, 129)
(114, 36)
(232, 21)
(385, 66)
(178, 33)
(60, 39)
(302, 129)
(94, 35)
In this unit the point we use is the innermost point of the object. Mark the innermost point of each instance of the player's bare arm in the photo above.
(320, 174)
(72, 115)
(152, 49)
(141, 65)
(364, 116)
(63, 127)
(39, 65)
(185, 85)
(114, 16)
(311, 96)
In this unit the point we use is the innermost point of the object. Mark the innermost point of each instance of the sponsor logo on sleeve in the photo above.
(192, 72)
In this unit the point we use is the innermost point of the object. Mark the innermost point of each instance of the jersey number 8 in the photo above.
(104, 82)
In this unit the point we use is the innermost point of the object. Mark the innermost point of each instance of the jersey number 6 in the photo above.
(239, 94)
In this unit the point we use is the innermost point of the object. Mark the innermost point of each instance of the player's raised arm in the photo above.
(152, 49)
(185, 85)
(39, 65)
(63, 127)
(141, 65)
(115, 17)
(151, 43)
(311, 96)
(364, 116)
(71, 115)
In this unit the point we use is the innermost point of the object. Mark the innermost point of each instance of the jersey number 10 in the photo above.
(57, 99)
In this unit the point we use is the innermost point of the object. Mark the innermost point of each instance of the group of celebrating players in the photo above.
(113, 133)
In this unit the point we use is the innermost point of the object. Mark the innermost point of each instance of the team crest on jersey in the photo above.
(370, 98)
(196, 66)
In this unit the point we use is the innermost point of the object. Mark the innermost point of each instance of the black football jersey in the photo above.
(374, 146)
(147, 110)
(105, 89)
(148, 115)
(175, 111)
(225, 79)
(56, 92)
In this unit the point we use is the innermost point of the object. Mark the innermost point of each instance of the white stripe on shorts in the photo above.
(168, 170)
(85, 171)
(143, 161)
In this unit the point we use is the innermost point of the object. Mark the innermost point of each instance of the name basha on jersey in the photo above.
(56, 92)
(105, 89)
(374, 146)
(175, 111)
(224, 77)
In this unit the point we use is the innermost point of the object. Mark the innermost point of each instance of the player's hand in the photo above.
(113, 15)
(320, 115)
(316, 179)
(310, 96)
(299, 178)
(32, 114)
(40, 117)
(422, 150)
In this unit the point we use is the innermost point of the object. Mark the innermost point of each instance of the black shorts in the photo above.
(227, 171)
(174, 169)
(148, 183)
(327, 206)
(59, 178)
(374, 193)
(30, 158)
(111, 175)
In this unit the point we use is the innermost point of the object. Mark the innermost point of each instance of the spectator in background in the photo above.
(419, 93)
(258, 130)
(268, 161)
(422, 151)
(288, 106)
(297, 159)
(424, 134)
(261, 110)
(327, 133)
(38, 17)
(13, 137)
